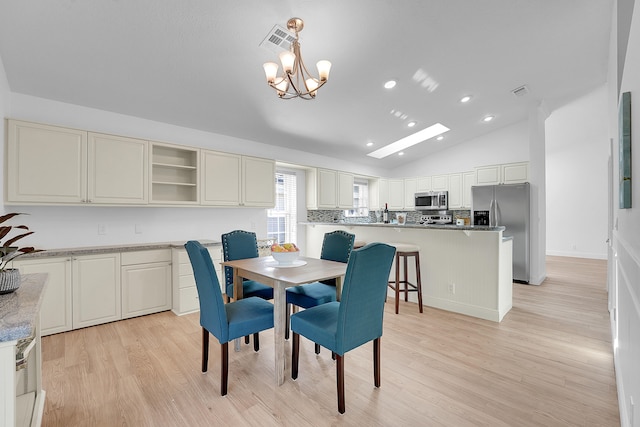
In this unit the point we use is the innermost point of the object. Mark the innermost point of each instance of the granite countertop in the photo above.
(19, 309)
(89, 250)
(412, 225)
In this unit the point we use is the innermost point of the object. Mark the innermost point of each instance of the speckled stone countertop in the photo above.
(19, 309)
(412, 225)
(90, 250)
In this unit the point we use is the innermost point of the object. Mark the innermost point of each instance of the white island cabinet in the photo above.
(464, 269)
(21, 393)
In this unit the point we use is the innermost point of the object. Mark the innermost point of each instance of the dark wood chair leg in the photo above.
(317, 348)
(333, 355)
(256, 342)
(224, 368)
(295, 353)
(246, 339)
(406, 279)
(340, 382)
(418, 281)
(397, 283)
(376, 362)
(205, 350)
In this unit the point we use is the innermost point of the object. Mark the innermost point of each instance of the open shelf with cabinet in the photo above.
(174, 174)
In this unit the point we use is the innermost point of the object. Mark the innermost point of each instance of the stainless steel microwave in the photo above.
(432, 201)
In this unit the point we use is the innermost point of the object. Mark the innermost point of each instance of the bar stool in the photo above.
(359, 244)
(404, 251)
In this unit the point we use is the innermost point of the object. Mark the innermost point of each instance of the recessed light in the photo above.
(488, 119)
(401, 153)
(390, 84)
(369, 144)
(408, 141)
(440, 138)
(466, 98)
(412, 123)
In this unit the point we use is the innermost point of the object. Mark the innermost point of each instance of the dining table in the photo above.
(268, 271)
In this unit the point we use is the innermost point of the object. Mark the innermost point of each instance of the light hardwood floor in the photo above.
(548, 363)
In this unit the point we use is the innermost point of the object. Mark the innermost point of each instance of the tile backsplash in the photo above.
(338, 216)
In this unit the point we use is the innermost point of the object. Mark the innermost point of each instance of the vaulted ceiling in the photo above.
(198, 64)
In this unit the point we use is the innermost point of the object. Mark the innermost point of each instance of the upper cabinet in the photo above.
(117, 170)
(468, 181)
(329, 189)
(53, 165)
(423, 183)
(509, 173)
(258, 182)
(440, 182)
(174, 174)
(455, 190)
(410, 188)
(46, 164)
(396, 194)
(221, 178)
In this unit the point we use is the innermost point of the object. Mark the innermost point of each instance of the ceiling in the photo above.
(198, 64)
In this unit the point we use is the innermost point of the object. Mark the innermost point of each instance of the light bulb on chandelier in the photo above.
(295, 81)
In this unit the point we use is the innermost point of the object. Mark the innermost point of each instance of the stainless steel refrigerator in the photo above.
(506, 205)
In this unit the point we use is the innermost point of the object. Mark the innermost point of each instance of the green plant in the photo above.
(7, 251)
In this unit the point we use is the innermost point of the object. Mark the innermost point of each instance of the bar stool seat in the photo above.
(404, 251)
(359, 244)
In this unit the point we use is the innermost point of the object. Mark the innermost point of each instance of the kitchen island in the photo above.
(21, 394)
(464, 269)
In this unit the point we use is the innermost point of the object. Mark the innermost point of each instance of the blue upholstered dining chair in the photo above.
(225, 321)
(336, 246)
(356, 319)
(240, 244)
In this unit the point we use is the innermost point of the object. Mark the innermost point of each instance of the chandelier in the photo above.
(295, 81)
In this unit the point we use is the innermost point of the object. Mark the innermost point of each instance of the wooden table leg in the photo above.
(338, 288)
(279, 320)
(237, 295)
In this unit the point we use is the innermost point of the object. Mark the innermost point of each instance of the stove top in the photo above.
(435, 219)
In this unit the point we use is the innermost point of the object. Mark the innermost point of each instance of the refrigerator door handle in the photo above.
(492, 213)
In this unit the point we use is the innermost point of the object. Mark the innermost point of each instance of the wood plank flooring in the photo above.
(548, 363)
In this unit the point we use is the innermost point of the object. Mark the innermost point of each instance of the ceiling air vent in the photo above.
(520, 91)
(278, 39)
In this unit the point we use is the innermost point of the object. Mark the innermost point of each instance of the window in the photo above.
(360, 199)
(282, 219)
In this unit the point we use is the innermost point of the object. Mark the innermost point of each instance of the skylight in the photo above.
(408, 141)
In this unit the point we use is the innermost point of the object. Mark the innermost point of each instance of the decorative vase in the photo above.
(9, 280)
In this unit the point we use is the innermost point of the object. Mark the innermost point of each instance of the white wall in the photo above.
(509, 144)
(5, 96)
(577, 152)
(626, 238)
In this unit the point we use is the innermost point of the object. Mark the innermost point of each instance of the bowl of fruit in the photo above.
(285, 253)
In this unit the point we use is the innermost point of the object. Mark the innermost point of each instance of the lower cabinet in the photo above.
(185, 293)
(96, 289)
(87, 290)
(55, 314)
(146, 282)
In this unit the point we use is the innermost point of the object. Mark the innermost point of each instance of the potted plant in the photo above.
(10, 277)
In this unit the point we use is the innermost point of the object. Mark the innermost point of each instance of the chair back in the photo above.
(238, 244)
(363, 295)
(337, 246)
(213, 316)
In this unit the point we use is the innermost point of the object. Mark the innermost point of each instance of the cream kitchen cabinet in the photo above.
(455, 190)
(55, 314)
(396, 194)
(96, 289)
(117, 170)
(146, 282)
(45, 164)
(174, 174)
(508, 173)
(378, 193)
(440, 182)
(56, 165)
(329, 189)
(410, 188)
(423, 183)
(234, 180)
(468, 181)
(185, 293)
